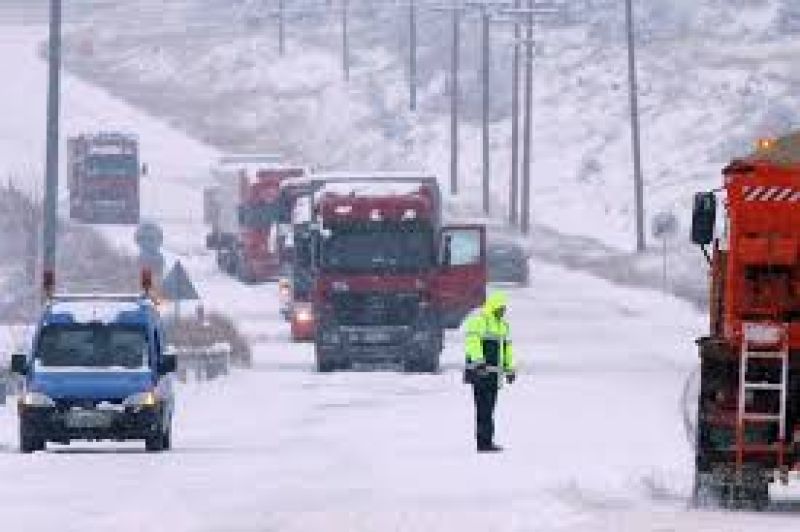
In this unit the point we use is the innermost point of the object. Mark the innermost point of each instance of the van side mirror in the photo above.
(704, 216)
(19, 364)
(145, 169)
(167, 364)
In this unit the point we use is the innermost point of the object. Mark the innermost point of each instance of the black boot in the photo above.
(490, 448)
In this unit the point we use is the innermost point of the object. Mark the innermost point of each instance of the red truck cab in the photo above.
(244, 211)
(103, 172)
(389, 278)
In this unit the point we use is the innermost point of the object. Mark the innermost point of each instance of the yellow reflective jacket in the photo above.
(488, 338)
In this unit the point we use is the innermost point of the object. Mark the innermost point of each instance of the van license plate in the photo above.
(375, 337)
(88, 420)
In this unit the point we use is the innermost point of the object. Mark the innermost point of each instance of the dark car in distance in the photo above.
(507, 262)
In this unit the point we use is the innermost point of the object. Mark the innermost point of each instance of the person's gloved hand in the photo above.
(511, 376)
(480, 368)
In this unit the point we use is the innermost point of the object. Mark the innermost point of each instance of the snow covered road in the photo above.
(593, 427)
(589, 430)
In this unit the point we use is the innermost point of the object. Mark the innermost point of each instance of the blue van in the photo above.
(97, 371)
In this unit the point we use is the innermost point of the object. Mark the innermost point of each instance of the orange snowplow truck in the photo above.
(748, 433)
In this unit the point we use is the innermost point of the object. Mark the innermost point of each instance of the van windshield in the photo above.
(94, 346)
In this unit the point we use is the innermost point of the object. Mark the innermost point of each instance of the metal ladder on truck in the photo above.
(769, 344)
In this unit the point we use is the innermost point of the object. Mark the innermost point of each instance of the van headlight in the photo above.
(37, 400)
(144, 399)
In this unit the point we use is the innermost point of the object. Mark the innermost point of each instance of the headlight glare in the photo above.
(146, 399)
(37, 399)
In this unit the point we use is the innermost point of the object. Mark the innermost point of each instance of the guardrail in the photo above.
(202, 363)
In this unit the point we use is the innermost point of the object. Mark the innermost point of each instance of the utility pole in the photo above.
(513, 200)
(412, 56)
(454, 95)
(281, 28)
(525, 215)
(345, 43)
(51, 164)
(455, 8)
(485, 74)
(638, 180)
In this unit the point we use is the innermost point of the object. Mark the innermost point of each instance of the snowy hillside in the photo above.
(712, 78)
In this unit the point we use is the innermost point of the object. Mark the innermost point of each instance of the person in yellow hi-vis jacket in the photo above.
(490, 361)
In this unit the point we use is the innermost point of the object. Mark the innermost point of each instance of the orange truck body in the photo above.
(749, 402)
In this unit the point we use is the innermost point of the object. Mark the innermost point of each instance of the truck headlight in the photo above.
(37, 400)
(303, 314)
(143, 399)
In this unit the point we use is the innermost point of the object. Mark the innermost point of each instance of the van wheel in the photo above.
(29, 441)
(158, 441)
(168, 438)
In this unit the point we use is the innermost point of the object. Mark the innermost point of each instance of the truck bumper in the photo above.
(60, 426)
(111, 212)
(262, 270)
(376, 345)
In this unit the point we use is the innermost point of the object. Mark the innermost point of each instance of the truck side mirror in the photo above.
(243, 216)
(167, 364)
(447, 251)
(19, 364)
(213, 240)
(704, 216)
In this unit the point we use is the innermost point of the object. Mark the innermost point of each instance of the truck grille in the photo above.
(375, 308)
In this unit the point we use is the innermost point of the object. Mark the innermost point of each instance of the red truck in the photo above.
(244, 211)
(749, 403)
(103, 173)
(296, 285)
(389, 278)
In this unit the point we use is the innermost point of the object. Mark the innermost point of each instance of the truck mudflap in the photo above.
(110, 212)
(724, 487)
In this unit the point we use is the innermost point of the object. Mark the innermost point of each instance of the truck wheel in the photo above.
(323, 362)
(427, 362)
(706, 494)
(29, 441)
(242, 272)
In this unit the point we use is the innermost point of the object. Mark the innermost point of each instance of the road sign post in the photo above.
(177, 287)
(665, 226)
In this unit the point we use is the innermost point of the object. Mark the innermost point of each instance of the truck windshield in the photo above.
(112, 166)
(92, 346)
(380, 248)
(258, 215)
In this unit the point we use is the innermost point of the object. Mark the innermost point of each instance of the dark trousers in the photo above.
(484, 390)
